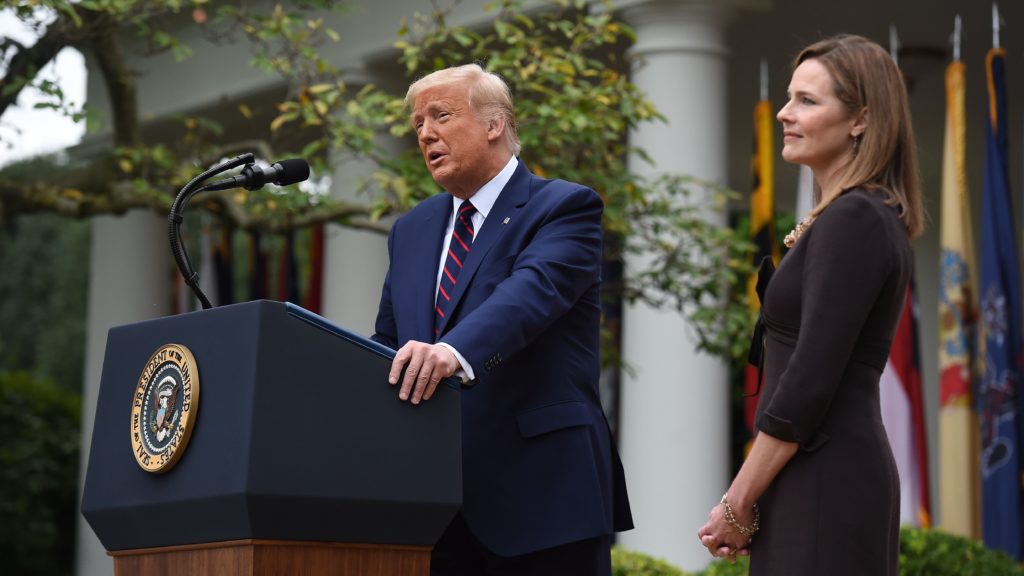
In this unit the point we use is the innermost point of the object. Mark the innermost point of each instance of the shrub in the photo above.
(726, 568)
(629, 563)
(39, 437)
(935, 553)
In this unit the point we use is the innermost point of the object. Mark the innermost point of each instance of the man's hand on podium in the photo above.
(425, 365)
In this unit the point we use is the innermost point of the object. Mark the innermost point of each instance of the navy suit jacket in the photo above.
(539, 465)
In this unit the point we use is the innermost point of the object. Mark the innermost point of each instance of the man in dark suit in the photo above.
(496, 282)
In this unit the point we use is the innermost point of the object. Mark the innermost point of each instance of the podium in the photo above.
(301, 459)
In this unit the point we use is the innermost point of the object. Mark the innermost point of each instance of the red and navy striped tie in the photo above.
(458, 249)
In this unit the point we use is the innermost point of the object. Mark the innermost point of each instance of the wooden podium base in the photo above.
(273, 558)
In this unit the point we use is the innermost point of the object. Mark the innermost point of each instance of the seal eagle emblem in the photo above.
(164, 408)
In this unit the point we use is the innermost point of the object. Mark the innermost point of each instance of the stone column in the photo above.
(130, 280)
(355, 261)
(675, 403)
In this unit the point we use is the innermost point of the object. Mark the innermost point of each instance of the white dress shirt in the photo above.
(483, 199)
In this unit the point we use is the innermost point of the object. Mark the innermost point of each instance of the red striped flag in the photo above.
(287, 270)
(314, 290)
(903, 416)
(224, 269)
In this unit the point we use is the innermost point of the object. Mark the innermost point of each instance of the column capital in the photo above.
(683, 25)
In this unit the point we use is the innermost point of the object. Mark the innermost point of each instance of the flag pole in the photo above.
(764, 78)
(995, 25)
(894, 44)
(956, 38)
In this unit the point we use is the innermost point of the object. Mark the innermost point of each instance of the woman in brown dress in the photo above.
(820, 481)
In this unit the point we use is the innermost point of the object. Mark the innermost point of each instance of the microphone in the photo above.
(254, 177)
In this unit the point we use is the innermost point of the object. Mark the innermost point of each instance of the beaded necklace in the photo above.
(795, 233)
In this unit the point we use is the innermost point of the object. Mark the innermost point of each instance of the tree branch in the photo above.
(120, 82)
(87, 198)
(27, 62)
(352, 215)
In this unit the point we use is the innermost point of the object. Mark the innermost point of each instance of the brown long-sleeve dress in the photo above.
(830, 312)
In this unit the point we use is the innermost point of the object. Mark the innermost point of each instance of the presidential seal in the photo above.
(164, 408)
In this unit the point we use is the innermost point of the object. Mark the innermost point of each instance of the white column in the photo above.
(130, 280)
(675, 403)
(355, 261)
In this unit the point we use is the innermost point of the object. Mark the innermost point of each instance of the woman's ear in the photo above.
(860, 124)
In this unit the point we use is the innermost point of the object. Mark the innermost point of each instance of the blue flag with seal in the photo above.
(999, 335)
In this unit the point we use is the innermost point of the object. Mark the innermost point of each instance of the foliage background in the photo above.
(43, 292)
(39, 440)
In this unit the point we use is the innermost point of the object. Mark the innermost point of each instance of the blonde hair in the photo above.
(864, 77)
(489, 97)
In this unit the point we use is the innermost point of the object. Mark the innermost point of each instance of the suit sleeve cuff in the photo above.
(466, 372)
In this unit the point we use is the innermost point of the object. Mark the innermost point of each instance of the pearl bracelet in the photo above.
(730, 519)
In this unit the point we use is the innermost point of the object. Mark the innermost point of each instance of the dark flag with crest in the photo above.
(997, 398)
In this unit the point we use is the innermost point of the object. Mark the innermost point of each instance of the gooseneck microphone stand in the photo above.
(174, 220)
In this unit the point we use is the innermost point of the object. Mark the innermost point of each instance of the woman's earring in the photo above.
(856, 144)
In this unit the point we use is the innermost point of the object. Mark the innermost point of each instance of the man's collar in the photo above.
(485, 197)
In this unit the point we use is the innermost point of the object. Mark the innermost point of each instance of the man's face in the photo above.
(455, 143)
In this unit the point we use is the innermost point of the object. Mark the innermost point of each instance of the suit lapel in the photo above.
(428, 255)
(515, 193)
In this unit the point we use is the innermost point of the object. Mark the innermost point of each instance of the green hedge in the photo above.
(629, 563)
(930, 552)
(725, 568)
(39, 439)
(922, 553)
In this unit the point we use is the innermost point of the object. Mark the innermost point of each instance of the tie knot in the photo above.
(467, 209)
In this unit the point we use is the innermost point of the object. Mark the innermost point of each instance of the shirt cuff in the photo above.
(466, 372)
